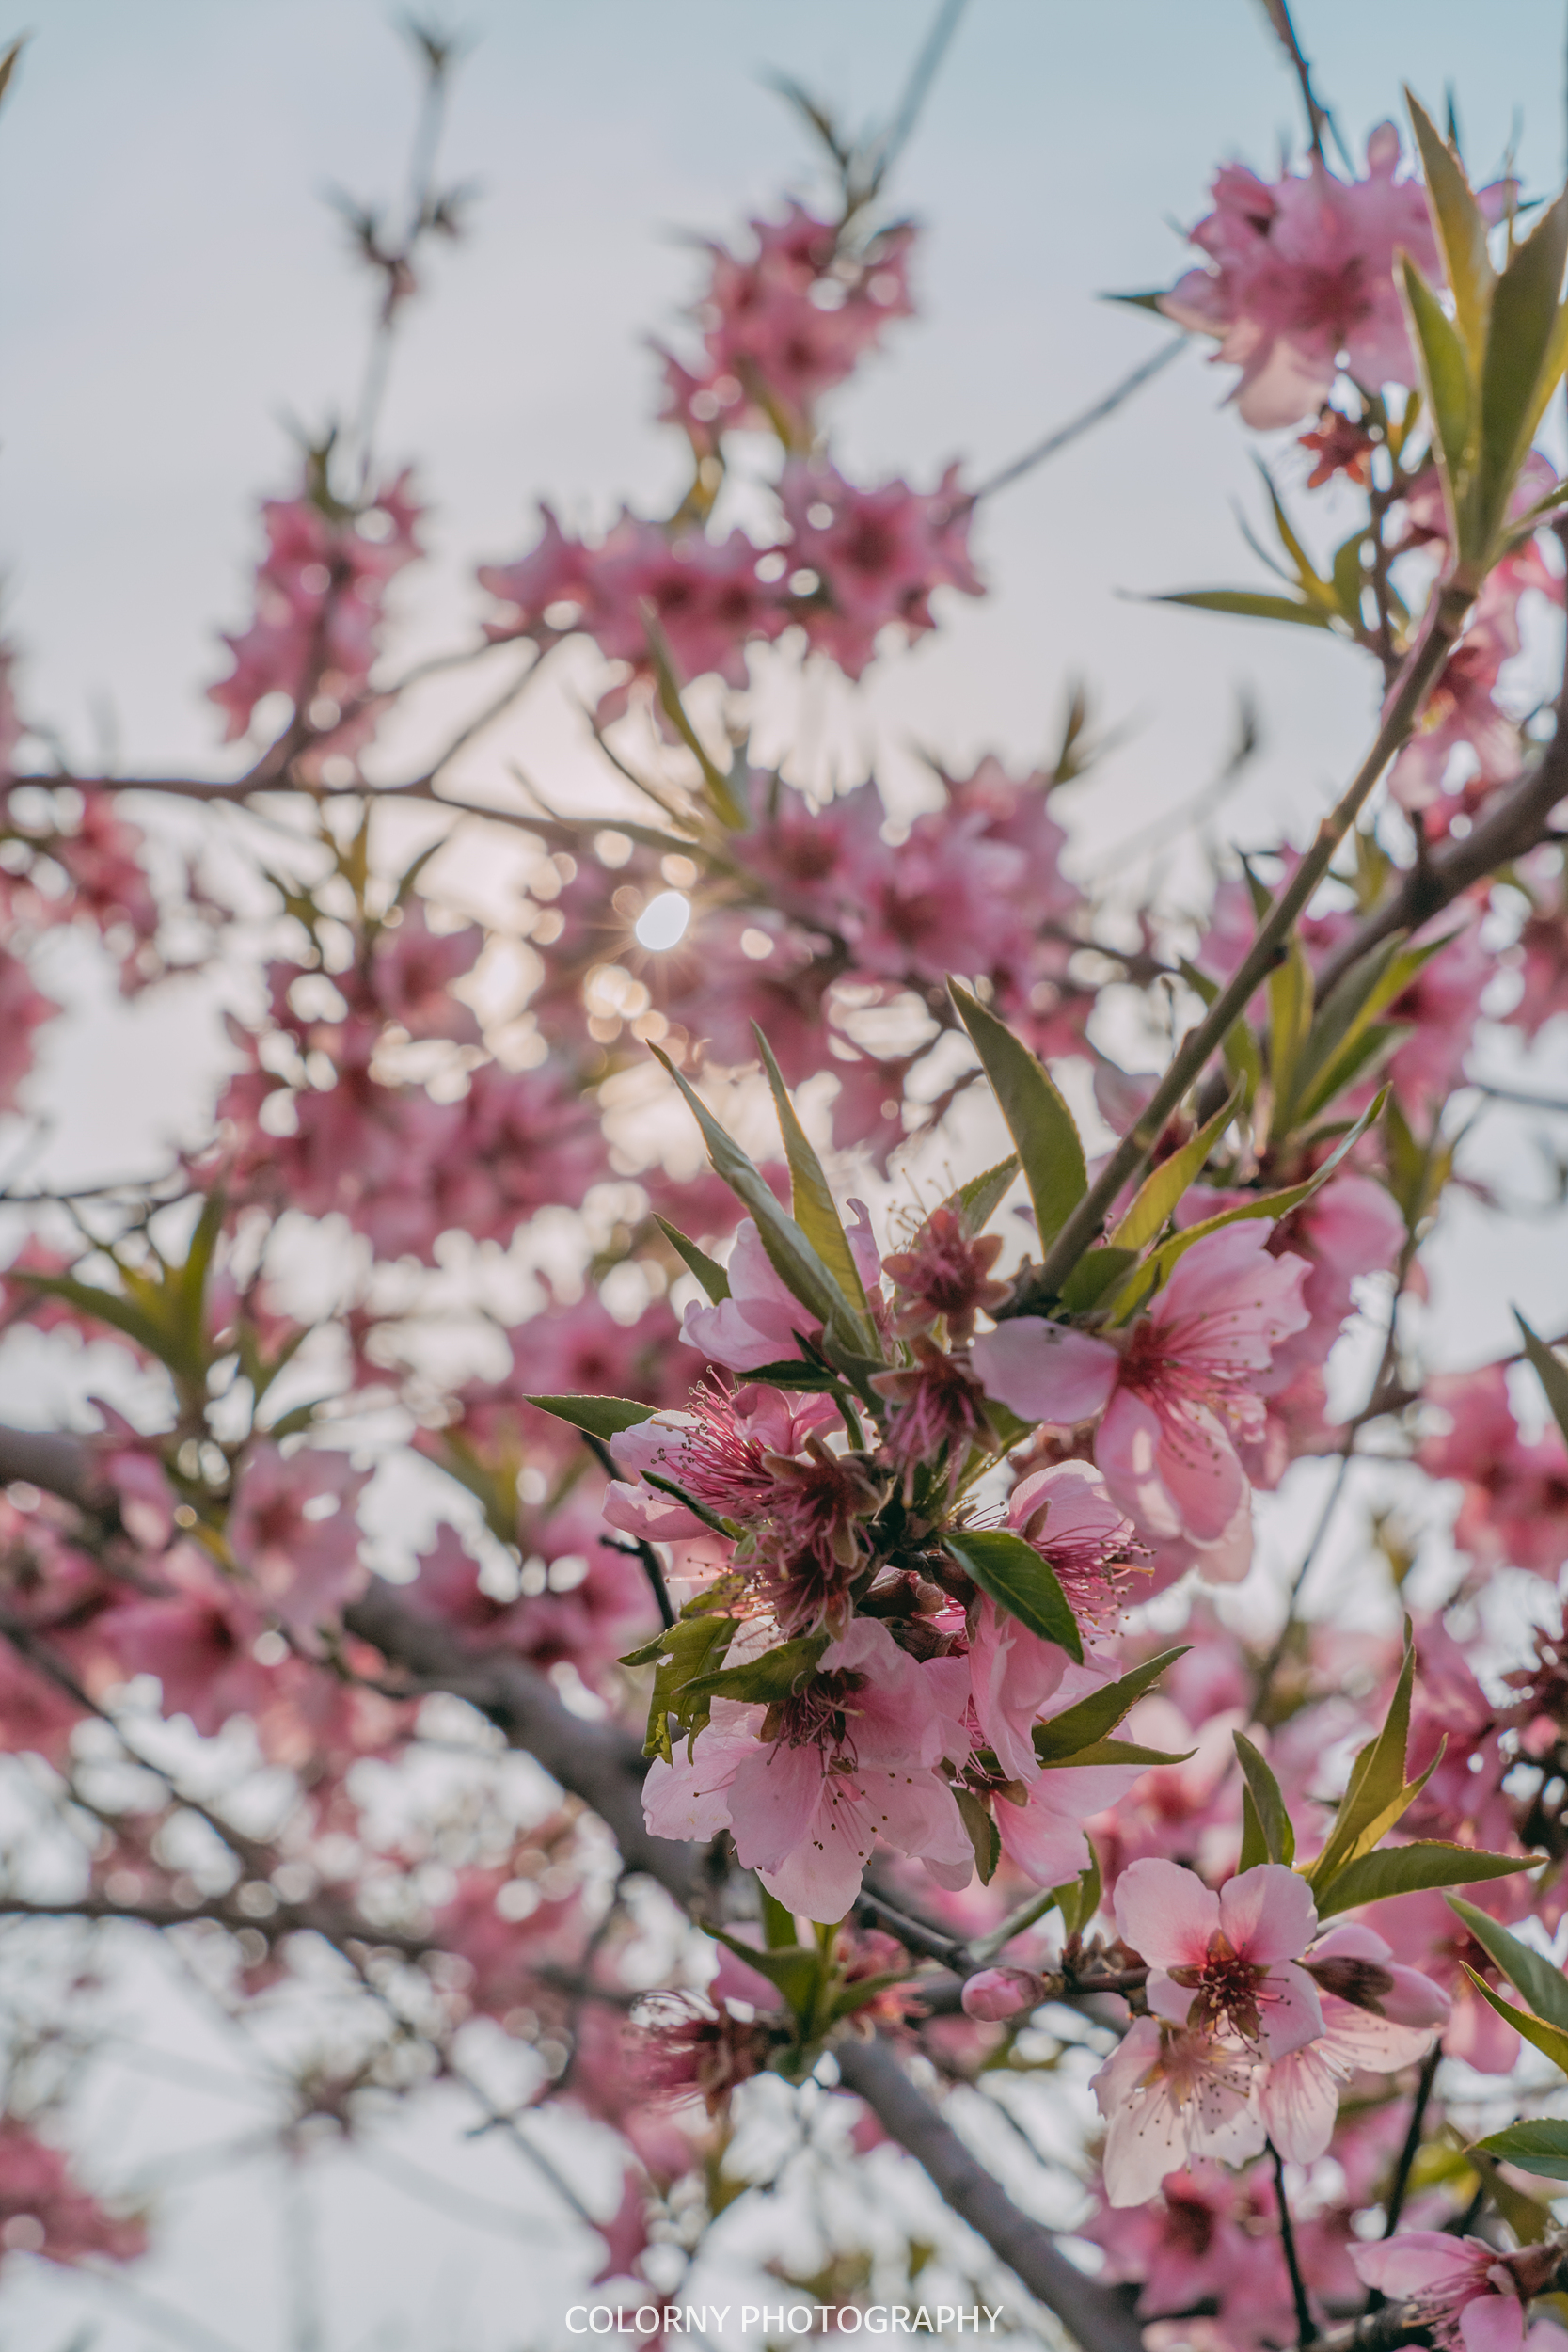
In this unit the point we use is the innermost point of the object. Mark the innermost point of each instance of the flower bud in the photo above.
(996, 1994)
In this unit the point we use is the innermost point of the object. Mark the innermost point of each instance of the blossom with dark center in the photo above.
(946, 1275)
(937, 1405)
(685, 2050)
(1224, 1963)
(813, 1542)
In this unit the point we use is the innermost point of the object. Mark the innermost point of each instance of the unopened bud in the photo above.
(996, 1994)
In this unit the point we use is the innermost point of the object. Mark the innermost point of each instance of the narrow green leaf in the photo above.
(812, 1203)
(1289, 1016)
(978, 1201)
(1353, 1003)
(777, 1674)
(1549, 2040)
(1019, 1580)
(1095, 1717)
(1094, 1274)
(1540, 1980)
(984, 1835)
(1251, 605)
(1376, 1777)
(1117, 1752)
(105, 1306)
(1039, 1120)
(1347, 579)
(1165, 1186)
(1313, 585)
(792, 1255)
(795, 1970)
(1521, 372)
(714, 1281)
(1446, 379)
(600, 1416)
(1403, 1870)
(1551, 1371)
(1268, 1805)
(1270, 1204)
(1358, 1061)
(1537, 2147)
(777, 1925)
(1460, 229)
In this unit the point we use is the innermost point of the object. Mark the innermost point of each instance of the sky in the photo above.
(174, 291)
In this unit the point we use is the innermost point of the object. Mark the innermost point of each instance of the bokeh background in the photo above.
(175, 292)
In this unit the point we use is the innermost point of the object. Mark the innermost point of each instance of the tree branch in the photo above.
(1449, 609)
(1096, 2315)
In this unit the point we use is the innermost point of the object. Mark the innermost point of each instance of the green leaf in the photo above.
(1354, 1003)
(8, 67)
(1289, 1016)
(1079, 1899)
(1540, 1980)
(792, 1255)
(1348, 578)
(1019, 1580)
(1313, 585)
(716, 784)
(1549, 2040)
(1270, 1204)
(1523, 360)
(1266, 1818)
(851, 1997)
(1372, 1801)
(813, 1379)
(1551, 1370)
(1460, 229)
(680, 1654)
(1039, 1120)
(1537, 2147)
(105, 1306)
(1064, 1735)
(777, 1674)
(1249, 604)
(1403, 1870)
(778, 1924)
(796, 1970)
(1093, 1276)
(977, 1201)
(812, 1202)
(602, 1417)
(1446, 379)
(1117, 1752)
(1163, 1187)
(714, 1279)
(984, 1835)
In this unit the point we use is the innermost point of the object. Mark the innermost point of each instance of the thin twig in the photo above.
(1306, 2327)
(1064, 435)
(917, 89)
(1408, 2153)
(1449, 609)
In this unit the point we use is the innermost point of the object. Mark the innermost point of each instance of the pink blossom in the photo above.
(1177, 1395)
(1301, 280)
(1514, 1509)
(1377, 2018)
(291, 1528)
(705, 594)
(758, 1322)
(1458, 2287)
(318, 595)
(785, 327)
(878, 555)
(1069, 1517)
(1224, 1963)
(23, 1009)
(851, 1766)
(411, 973)
(68, 2225)
(937, 904)
(1441, 1004)
(198, 1638)
(1169, 2095)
